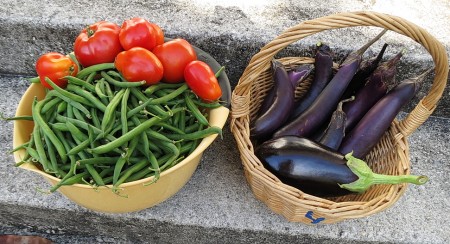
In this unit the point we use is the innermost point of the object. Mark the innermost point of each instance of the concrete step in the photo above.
(217, 205)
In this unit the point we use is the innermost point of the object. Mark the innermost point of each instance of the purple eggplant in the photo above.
(323, 64)
(369, 130)
(316, 170)
(335, 132)
(365, 70)
(375, 88)
(296, 76)
(323, 106)
(300, 73)
(282, 104)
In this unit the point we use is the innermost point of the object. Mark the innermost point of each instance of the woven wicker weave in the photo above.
(390, 156)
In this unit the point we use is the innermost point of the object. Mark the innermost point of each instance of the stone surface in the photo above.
(217, 204)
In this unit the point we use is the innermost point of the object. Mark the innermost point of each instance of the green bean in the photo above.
(20, 147)
(73, 103)
(62, 107)
(69, 111)
(108, 91)
(195, 111)
(219, 72)
(68, 94)
(40, 121)
(151, 89)
(43, 160)
(80, 82)
(59, 126)
(95, 118)
(75, 132)
(52, 156)
(134, 168)
(170, 127)
(94, 68)
(97, 160)
(87, 95)
(128, 136)
(80, 147)
(90, 77)
(50, 104)
(108, 117)
(182, 121)
(139, 108)
(34, 79)
(116, 75)
(201, 104)
(24, 117)
(123, 114)
(99, 90)
(123, 159)
(156, 109)
(157, 136)
(195, 141)
(164, 99)
(121, 84)
(77, 114)
(196, 135)
(95, 176)
(71, 180)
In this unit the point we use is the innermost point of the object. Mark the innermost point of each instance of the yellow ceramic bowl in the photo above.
(103, 199)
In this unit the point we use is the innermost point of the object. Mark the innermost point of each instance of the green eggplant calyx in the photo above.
(367, 178)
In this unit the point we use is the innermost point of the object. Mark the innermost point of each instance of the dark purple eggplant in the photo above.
(300, 73)
(375, 88)
(335, 132)
(323, 64)
(369, 130)
(282, 104)
(316, 170)
(365, 70)
(323, 106)
(296, 76)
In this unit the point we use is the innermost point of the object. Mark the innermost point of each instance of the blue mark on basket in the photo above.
(309, 215)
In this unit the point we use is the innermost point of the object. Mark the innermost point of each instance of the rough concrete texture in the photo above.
(217, 205)
(233, 31)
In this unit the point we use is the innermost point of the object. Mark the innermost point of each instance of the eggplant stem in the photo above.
(368, 178)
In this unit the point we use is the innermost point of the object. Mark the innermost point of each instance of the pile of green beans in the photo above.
(102, 130)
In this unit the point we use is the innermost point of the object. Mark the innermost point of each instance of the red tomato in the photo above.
(55, 66)
(138, 32)
(175, 55)
(139, 64)
(202, 81)
(98, 43)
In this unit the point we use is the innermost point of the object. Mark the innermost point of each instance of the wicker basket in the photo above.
(390, 156)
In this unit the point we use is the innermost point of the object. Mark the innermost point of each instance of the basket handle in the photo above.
(418, 115)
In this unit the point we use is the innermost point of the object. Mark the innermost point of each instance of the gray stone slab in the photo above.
(217, 205)
(232, 31)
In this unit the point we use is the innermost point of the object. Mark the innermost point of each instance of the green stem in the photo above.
(367, 178)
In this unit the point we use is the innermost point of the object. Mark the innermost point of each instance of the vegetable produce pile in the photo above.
(125, 105)
(316, 142)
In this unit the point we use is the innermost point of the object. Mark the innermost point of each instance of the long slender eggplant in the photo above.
(316, 170)
(300, 73)
(278, 112)
(323, 64)
(369, 130)
(365, 70)
(296, 76)
(375, 88)
(335, 132)
(324, 105)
